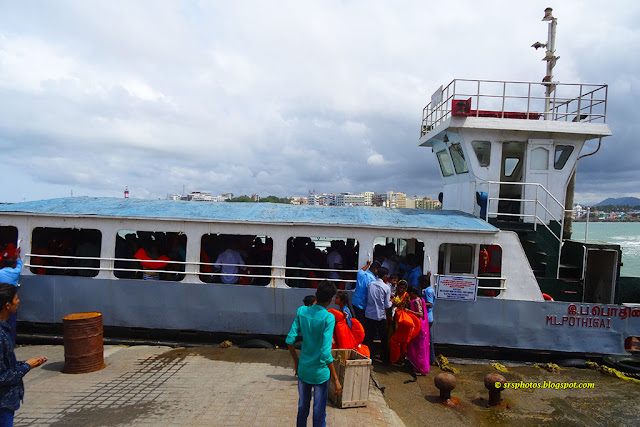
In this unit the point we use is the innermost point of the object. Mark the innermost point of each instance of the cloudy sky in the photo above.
(281, 97)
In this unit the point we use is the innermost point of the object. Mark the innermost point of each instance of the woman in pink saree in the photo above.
(418, 348)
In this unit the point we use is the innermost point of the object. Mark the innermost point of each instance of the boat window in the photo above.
(402, 257)
(483, 152)
(236, 259)
(153, 255)
(460, 259)
(510, 165)
(445, 163)
(562, 155)
(313, 259)
(65, 251)
(489, 270)
(457, 155)
(8, 239)
(539, 159)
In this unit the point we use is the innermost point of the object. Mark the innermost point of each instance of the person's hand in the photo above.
(338, 387)
(295, 368)
(36, 361)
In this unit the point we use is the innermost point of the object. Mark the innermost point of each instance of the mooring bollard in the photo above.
(445, 383)
(495, 384)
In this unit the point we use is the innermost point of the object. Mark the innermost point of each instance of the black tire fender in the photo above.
(258, 343)
(624, 363)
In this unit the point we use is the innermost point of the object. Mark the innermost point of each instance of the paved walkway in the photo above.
(201, 386)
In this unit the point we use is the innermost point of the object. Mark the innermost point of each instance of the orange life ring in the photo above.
(547, 297)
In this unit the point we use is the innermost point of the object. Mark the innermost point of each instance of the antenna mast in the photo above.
(550, 58)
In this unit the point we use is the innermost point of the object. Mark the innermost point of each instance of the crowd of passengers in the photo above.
(310, 265)
(154, 255)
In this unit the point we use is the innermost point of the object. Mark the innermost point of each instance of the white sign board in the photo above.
(436, 98)
(457, 288)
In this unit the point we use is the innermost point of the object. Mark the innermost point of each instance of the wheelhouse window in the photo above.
(313, 259)
(65, 251)
(562, 155)
(459, 162)
(539, 159)
(483, 152)
(150, 255)
(402, 257)
(445, 163)
(510, 166)
(236, 259)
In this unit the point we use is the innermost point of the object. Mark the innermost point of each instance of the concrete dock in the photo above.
(200, 386)
(211, 386)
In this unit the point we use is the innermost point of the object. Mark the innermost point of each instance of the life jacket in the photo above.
(408, 327)
(342, 335)
(484, 261)
(150, 263)
(345, 337)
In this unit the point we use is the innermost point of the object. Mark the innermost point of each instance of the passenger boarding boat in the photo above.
(508, 153)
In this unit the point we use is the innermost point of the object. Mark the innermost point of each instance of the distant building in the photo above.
(299, 200)
(396, 200)
(255, 197)
(348, 199)
(199, 196)
(422, 203)
(368, 196)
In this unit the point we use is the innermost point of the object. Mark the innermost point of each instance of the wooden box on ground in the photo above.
(353, 370)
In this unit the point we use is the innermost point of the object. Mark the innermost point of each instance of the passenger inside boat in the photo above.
(236, 259)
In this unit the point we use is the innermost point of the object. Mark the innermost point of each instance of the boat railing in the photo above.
(277, 272)
(540, 214)
(571, 102)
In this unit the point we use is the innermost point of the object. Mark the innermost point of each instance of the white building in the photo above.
(348, 199)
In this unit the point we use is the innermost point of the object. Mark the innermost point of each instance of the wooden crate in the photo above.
(353, 370)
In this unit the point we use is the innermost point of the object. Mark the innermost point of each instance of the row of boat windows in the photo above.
(482, 149)
(162, 256)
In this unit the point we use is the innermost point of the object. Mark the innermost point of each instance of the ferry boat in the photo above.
(505, 275)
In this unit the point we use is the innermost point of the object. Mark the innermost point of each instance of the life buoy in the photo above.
(547, 297)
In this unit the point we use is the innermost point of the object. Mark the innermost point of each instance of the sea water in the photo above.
(625, 234)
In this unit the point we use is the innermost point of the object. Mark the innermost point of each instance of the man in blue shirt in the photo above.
(378, 302)
(359, 299)
(10, 270)
(315, 365)
(11, 371)
(429, 299)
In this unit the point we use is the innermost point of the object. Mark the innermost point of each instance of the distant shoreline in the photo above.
(608, 220)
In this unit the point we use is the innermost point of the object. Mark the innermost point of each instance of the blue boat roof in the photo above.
(255, 213)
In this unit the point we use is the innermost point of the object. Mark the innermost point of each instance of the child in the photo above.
(342, 301)
(393, 283)
(315, 365)
(309, 300)
(11, 371)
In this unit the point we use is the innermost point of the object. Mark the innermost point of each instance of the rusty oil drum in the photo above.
(83, 348)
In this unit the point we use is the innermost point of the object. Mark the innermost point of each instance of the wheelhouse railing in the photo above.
(538, 206)
(571, 102)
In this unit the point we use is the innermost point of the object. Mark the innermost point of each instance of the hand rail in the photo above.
(589, 98)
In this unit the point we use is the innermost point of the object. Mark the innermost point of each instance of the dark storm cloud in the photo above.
(279, 97)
